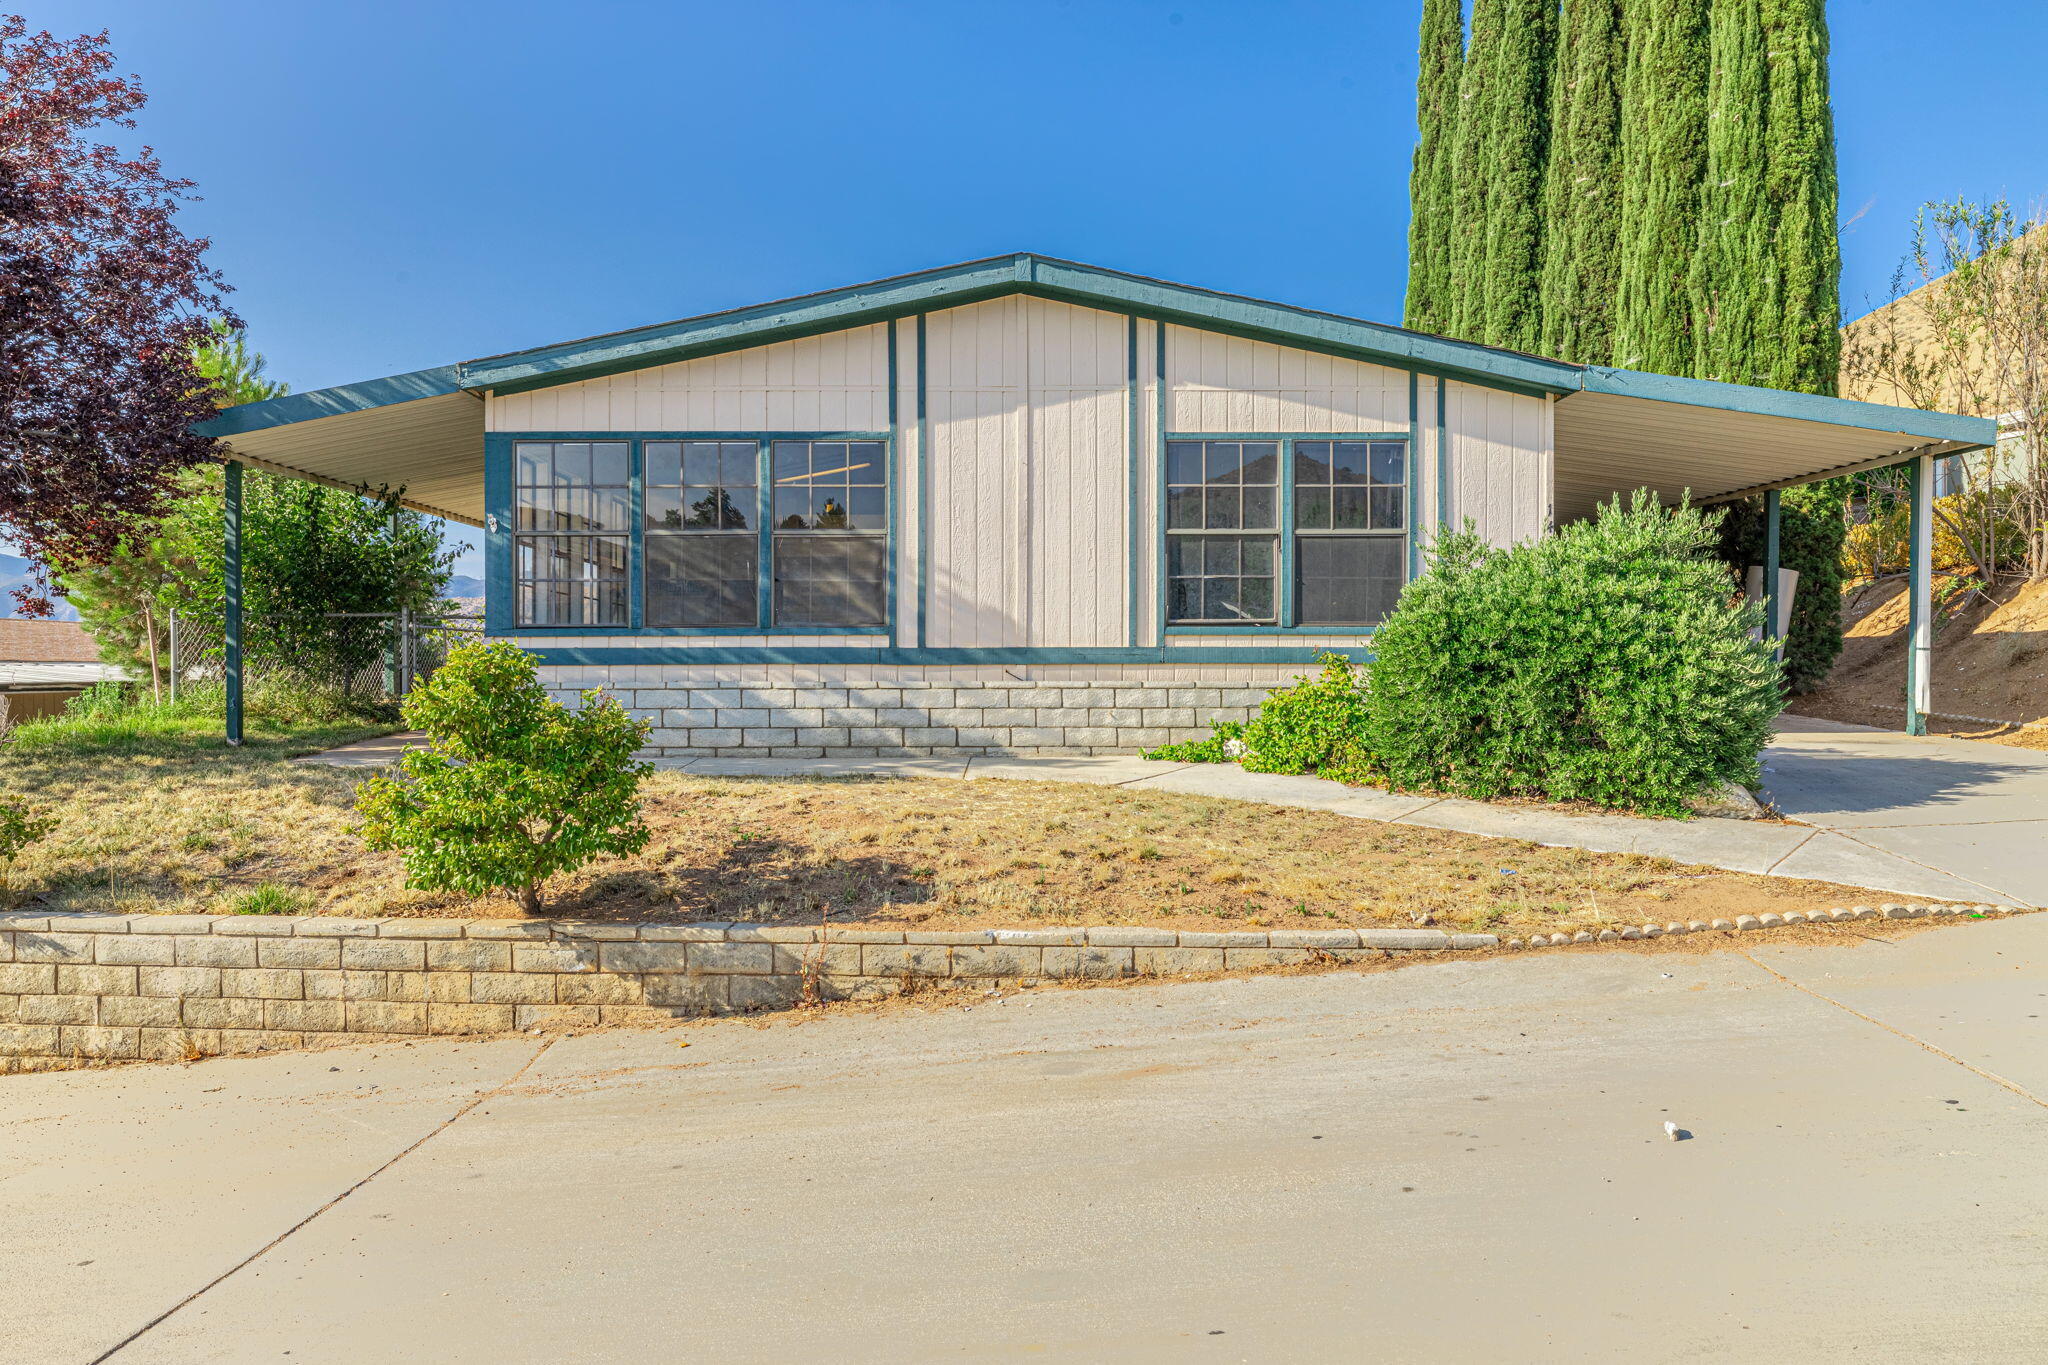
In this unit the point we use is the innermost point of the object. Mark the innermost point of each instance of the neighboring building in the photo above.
(43, 665)
(1905, 327)
(1017, 504)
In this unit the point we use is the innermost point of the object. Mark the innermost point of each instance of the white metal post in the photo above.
(1920, 590)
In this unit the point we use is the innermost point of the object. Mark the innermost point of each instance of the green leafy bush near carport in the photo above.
(1609, 662)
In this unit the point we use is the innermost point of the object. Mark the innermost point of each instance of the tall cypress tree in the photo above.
(1799, 167)
(1580, 230)
(1517, 144)
(1429, 184)
(1463, 310)
(1733, 289)
(1663, 158)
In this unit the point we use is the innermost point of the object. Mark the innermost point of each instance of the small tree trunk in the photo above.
(529, 898)
(149, 647)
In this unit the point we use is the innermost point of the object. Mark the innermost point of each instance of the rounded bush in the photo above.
(1609, 662)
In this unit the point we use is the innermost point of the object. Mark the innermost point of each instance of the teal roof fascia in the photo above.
(1805, 407)
(343, 398)
(1067, 281)
(1092, 286)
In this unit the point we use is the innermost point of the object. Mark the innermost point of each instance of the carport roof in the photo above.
(1616, 430)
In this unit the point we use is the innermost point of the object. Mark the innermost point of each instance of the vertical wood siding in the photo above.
(1223, 383)
(1501, 462)
(1030, 475)
(835, 382)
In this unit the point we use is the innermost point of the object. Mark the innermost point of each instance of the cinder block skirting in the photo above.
(79, 988)
(901, 718)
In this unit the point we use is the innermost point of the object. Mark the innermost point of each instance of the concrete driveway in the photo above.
(1461, 1161)
(1944, 811)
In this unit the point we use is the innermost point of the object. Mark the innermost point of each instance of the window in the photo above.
(702, 547)
(831, 536)
(1350, 530)
(1222, 531)
(573, 501)
(1337, 558)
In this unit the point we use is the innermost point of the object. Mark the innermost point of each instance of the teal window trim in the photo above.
(500, 571)
(1136, 480)
(1160, 399)
(1285, 565)
(924, 487)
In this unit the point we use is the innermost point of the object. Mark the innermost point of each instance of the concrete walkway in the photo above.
(1941, 819)
(1459, 1161)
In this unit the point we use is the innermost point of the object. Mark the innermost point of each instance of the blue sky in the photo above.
(396, 185)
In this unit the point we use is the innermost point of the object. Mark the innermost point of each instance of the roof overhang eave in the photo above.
(1933, 450)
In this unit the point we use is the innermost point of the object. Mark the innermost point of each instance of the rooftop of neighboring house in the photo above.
(42, 655)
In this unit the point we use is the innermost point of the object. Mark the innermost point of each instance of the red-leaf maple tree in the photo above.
(102, 298)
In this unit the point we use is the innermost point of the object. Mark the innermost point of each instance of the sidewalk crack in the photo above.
(1947, 1056)
(271, 1245)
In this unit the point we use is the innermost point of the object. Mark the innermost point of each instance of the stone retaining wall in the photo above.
(78, 988)
(875, 720)
(183, 986)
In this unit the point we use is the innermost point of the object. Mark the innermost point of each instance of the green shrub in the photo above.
(1214, 749)
(1812, 530)
(1313, 726)
(512, 786)
(21, 825)
(1609, 662)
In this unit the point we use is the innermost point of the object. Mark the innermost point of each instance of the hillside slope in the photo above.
(1990, 665)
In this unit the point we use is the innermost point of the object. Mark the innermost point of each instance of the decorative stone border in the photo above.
(117, 987)
(1745, 922)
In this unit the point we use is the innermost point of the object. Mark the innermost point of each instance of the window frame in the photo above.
(502, 523)
(1286, 562)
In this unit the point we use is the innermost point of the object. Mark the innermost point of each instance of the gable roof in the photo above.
(443, 398)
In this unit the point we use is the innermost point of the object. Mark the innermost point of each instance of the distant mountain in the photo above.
(462, 585)
(14, 573)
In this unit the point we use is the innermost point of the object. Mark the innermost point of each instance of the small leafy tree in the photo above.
(512, 786)
(20, 826)
(1610, 662)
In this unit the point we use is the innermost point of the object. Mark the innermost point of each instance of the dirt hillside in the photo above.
(1990, 666)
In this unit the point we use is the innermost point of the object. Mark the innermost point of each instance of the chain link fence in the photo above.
(363, 657)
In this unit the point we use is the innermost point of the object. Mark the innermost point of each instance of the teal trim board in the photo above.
(1443, 456)
(924, 488)
(1413, 476)
(614, 655)
(1160, 399)
(1132, 477)
(498, 523)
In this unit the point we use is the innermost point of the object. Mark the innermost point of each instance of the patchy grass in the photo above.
(182, 730)
(209, 829)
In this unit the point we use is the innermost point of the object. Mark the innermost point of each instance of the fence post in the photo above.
(174, 656)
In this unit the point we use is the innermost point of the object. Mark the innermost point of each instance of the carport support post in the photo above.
(1772, 524)
(1920, 597)
(231, 612)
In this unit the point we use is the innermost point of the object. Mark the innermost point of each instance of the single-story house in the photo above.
(43, 665)
(1015, 504)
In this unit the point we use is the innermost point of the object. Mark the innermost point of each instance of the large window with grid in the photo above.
(1285, 531)
(572, 504)
(830, 547)
(1222, 532)
(1350, 530)
(702, 554)
(722, 533)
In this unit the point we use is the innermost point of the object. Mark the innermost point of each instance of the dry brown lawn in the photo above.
(224, 832)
